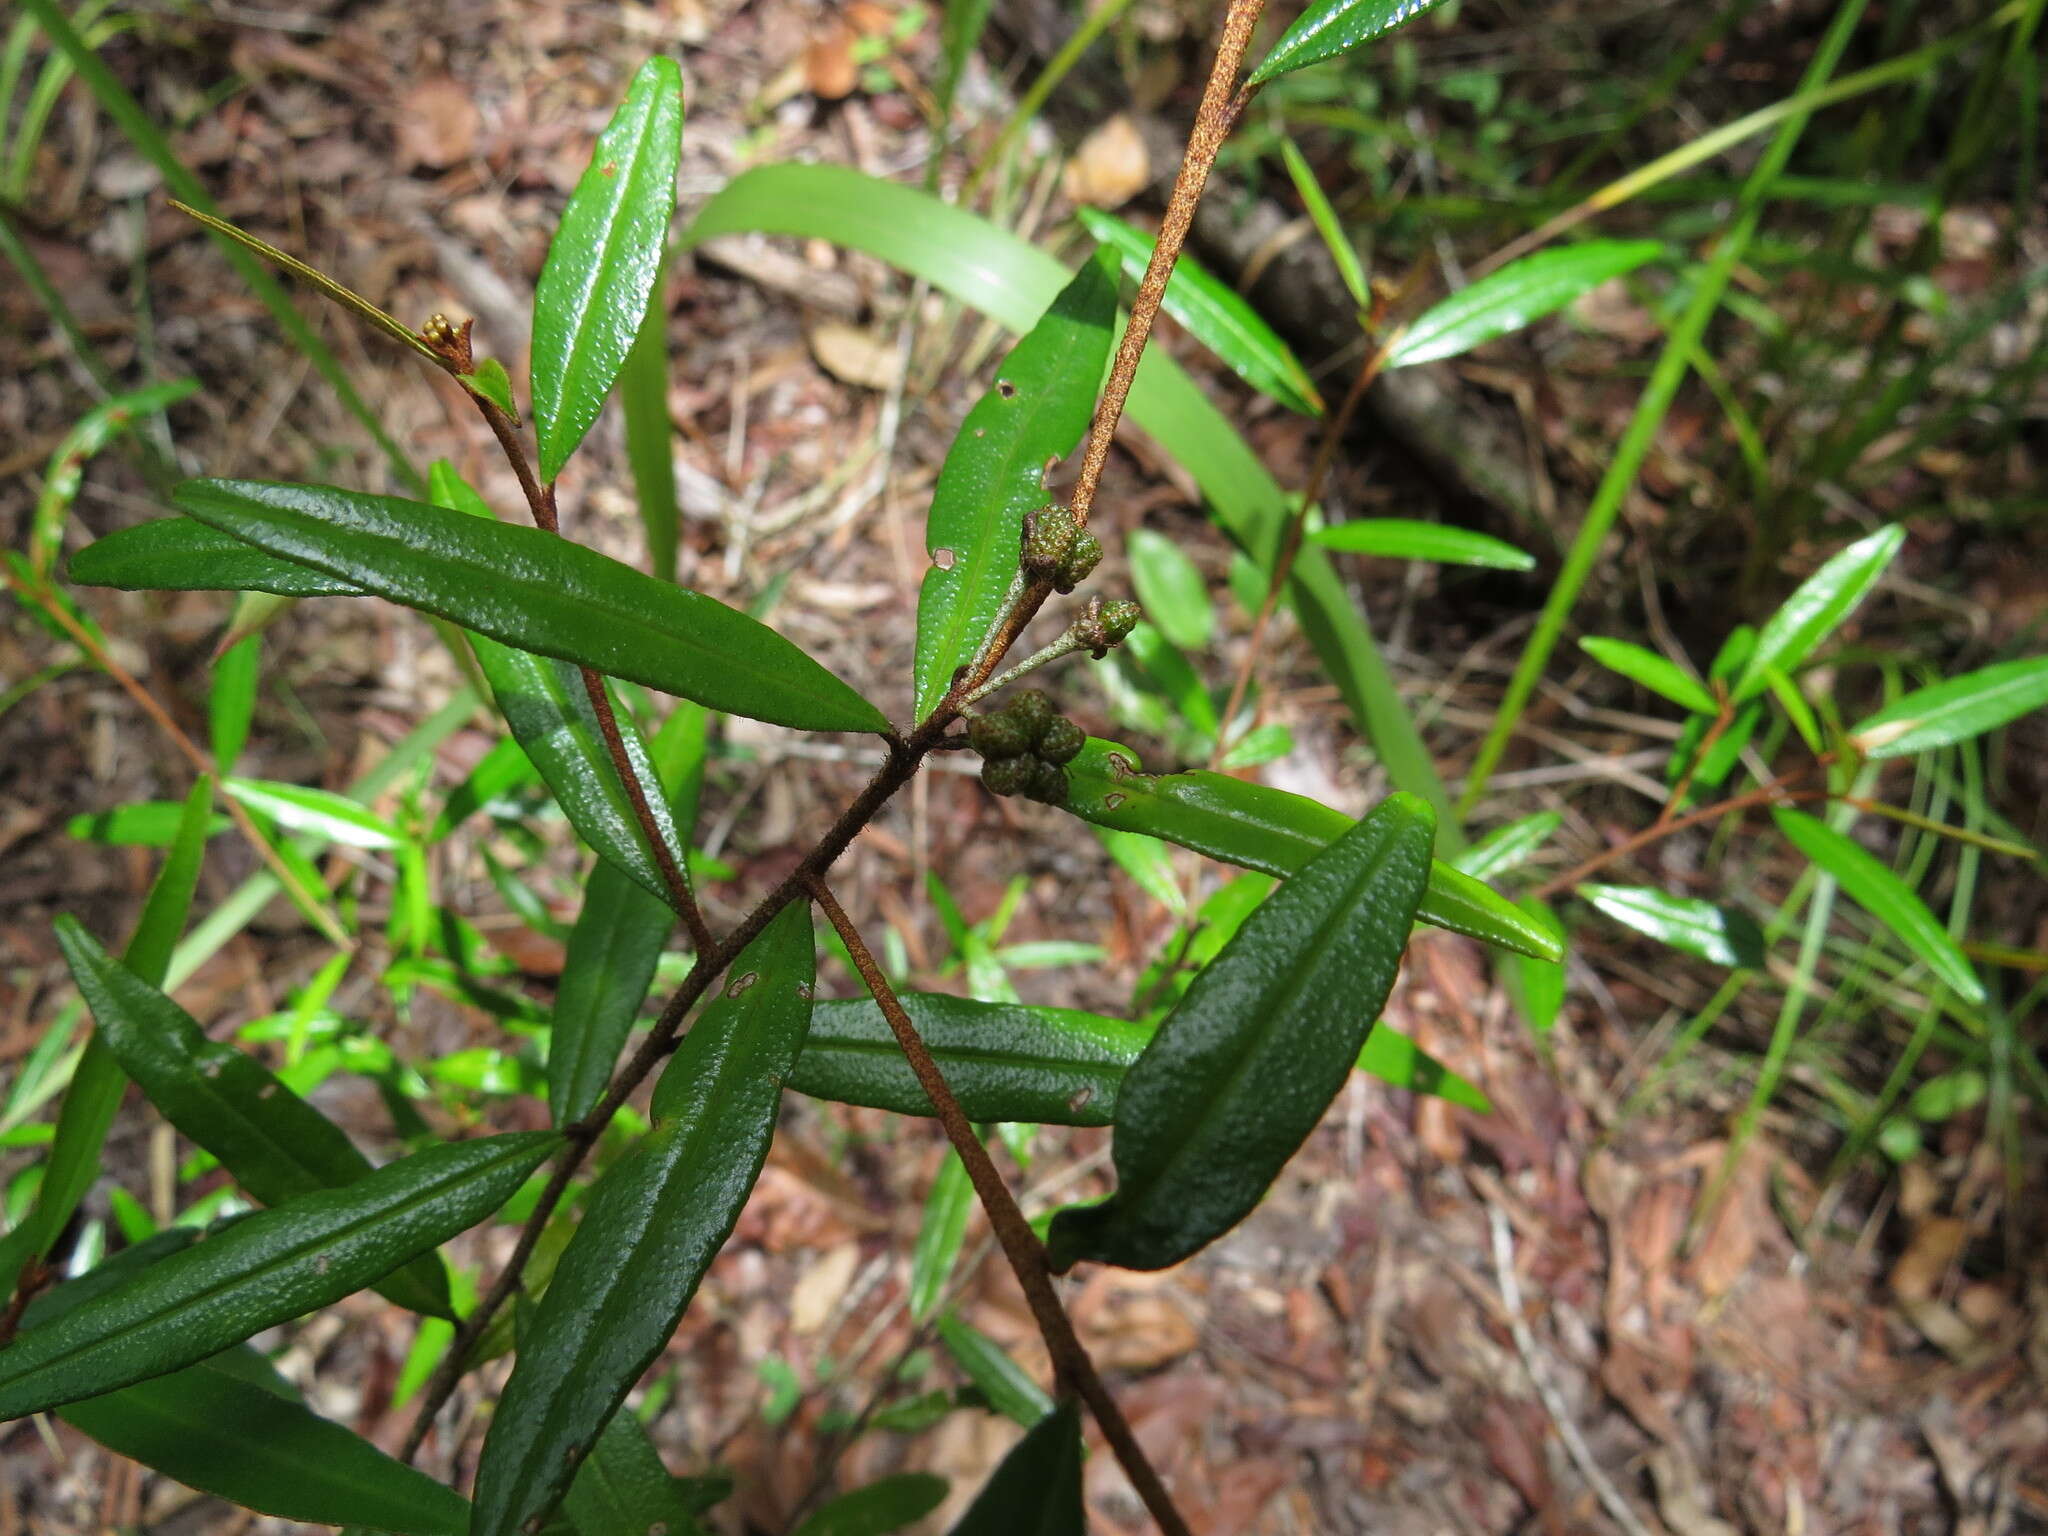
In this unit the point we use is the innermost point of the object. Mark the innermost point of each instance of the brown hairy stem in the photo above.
(1073, 1370)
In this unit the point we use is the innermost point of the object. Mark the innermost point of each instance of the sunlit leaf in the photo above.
(1521, 292)
(1656, 673)
(1817, 608)
(1328, 27)
(1955, 710)
(1694, 927)
(1401, 538)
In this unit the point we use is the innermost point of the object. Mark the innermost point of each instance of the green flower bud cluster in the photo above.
(1058, 549)
(1024, 747)
(1103, 625)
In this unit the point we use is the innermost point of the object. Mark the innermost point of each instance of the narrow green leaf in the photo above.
(231, 703)
(885, 1505)
(541, 593)
(601, 267)
(1955, 710)
(619, 936)
(1342, 252)
(651, 1227)
(66, 470)
(1796, 709)
(499, 771)
(643, 394)
(1403, 538)
(1006, 1384)
(960, 29)
(97, 1082)
(1271, 830)
(1146, 860)
(276, 1145)
(1036, 1489)
(1215, 314)
(548, 708)
(1817, 608)
(214, 1430)
(1170, 589)
(495, 385)
(1011, 280)
(1873, 886)
(994, 473)
(1536, 986)
(141, 824)
(1656, 673)
(1328, 27)
(264, 1270)
(1393, 1058)
(939, 1237)
(1243, 1068)
(1519, 293)
(1508, 848)
(321, 812)
(178, 554)
(1261, 744)
(1011, 1062)
(1723, 935)
(622, 1488)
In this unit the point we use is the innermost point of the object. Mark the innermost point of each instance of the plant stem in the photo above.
(540, 500)
(1073, 1370)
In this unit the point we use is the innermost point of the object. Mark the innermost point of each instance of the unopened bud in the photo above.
(1049, 535)
(1032, 710)
(1062, 741)
(1081, 559)
(1103, 625)
(998, 736)
(1048, 782)
(1009, 775)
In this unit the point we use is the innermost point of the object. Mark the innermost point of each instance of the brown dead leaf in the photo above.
(1739, 1224)
(830, 72)
(437, 124)
(856, 356)
(1111, 167)
(1243, 1490)
(818, 1290)
(1513, 1440)
(1937, 1244)
(1139, 1331)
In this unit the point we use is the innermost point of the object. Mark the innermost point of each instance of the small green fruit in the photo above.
(1085, 555)
(1048, 783)
(1062, 741)
(1033, 712)
(998, 736)
(1049, 535)
(1009, 775)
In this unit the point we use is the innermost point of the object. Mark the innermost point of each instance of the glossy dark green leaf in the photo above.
(1003, 1061)
(1243, 1068)
(1955, 710)
(1508, 848)
(276, 1145)
(939, 1236)
(994, 473)
(1817, 608)
(179, 554)
(265, 1269)
(545, 703)
(1872, 885)
(622, 1488)
(1170, 589)
(1036, 1489)
(1659, 674)
(618, 938)
(1689, 925)
(1521, 292)
(885, 1505)
(321, 812)
(1006, 1385)
(1009, 279)
(1328, 27)
(540, 593)
(650, 1229)
(601, 267)
(1271, 830)
(1215, 314)
(1404, 538)
(214, 1430)
(231, 702)
(97, 1082)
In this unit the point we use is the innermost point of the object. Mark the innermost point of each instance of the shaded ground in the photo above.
(1866, 1357)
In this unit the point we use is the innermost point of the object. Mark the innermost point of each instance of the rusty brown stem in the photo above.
(1073, 1371)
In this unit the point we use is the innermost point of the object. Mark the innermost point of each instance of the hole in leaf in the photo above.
(742, 984)
(805, 990)
(944, 559)
(1079, 1098)
(1006, 389)
(1111, 802)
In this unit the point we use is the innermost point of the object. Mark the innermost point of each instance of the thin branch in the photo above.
(540, 500)
(1073, 1370)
